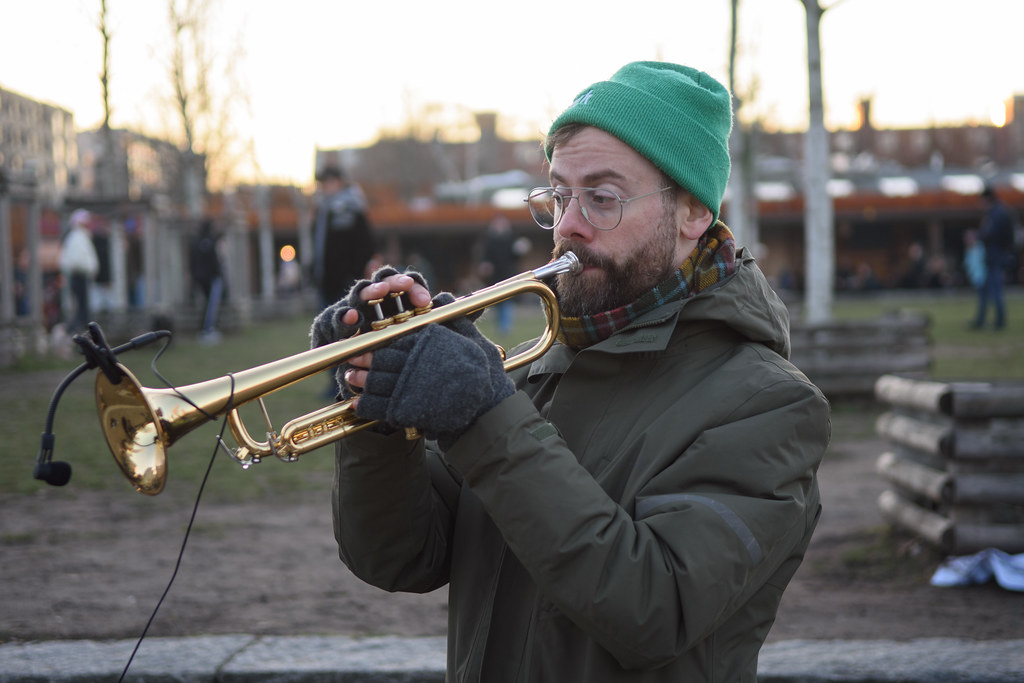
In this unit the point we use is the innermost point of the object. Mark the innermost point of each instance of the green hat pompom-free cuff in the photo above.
(677, 117)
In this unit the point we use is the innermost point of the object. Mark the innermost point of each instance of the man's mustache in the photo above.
(586, 256)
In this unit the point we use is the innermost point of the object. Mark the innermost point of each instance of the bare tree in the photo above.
(105, 69)
(107, 179)
(742, 206)
(819, 239)
(207, 98)
(189, 72)
(737, 194)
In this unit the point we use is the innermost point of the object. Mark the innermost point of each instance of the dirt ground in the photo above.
(79, 564)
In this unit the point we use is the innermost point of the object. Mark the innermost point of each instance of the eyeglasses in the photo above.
(601, 208)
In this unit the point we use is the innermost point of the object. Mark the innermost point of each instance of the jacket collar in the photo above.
(649, 333)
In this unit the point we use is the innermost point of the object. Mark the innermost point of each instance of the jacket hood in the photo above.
(746, 303)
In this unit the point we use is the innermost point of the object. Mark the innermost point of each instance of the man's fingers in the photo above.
(356, 380)
(417, 293)
(350, 317)
(361, 362)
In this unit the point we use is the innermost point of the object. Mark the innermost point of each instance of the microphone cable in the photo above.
(99, 354)
(195, 506)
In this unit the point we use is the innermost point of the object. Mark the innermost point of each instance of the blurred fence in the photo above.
(846, 357)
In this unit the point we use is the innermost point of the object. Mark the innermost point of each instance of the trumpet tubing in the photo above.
(141, 423)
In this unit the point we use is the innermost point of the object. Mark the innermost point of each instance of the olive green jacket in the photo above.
(632, 513)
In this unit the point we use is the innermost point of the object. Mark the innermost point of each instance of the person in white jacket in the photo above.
(79, 264)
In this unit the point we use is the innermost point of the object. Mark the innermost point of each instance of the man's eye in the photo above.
(601, 199)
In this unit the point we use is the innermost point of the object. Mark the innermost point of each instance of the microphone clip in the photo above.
(98, 353)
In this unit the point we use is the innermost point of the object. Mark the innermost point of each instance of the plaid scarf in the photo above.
(712, 260)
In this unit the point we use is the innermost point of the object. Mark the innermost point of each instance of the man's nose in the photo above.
(574, 224)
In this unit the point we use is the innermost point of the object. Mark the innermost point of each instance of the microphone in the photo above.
(98, 354)
(54, 473)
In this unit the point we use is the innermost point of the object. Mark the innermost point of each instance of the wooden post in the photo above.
(934, 528)
(934, 484)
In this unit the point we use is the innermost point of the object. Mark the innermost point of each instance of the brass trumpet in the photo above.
(141, 423)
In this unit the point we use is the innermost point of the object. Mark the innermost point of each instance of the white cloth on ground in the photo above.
(991, 563)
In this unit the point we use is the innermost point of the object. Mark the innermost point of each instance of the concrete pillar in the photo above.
(34, 243)
(267, 255)
(304, 211)
(936, 245)
(118, 267)
(239, 274)
(7, 260)
(150, 234)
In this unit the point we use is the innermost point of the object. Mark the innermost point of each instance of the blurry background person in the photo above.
(974, 259)
(343, 243)
(996, 233)
(21, 304)
(101, 294)
(79, 264)
(208, 276)
(497, 263)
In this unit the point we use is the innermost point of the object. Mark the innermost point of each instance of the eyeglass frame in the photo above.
(554, 192)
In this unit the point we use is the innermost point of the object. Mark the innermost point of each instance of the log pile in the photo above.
(956, 464)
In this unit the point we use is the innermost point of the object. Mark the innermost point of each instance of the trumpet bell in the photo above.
(133, 431)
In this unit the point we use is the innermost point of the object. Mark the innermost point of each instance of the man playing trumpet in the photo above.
(631, 506)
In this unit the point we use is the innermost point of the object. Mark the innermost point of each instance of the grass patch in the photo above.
(23, 538)
(886, 554)
(958, 352)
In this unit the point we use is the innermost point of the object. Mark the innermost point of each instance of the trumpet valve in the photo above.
(401, 314)
(381, 322)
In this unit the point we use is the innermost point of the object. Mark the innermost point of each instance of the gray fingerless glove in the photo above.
(436, 380)
(328, 326)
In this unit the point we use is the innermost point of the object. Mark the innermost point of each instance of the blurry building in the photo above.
(137, 167)
(37, 140)
(891, 189)
(432, 193)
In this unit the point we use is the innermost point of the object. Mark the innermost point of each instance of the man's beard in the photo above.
(616, 284)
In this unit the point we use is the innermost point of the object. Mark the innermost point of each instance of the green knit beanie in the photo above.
(675, 116)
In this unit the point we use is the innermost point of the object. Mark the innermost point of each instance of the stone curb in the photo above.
(389, 659)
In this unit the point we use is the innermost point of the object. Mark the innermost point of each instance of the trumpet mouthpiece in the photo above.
(567, 263)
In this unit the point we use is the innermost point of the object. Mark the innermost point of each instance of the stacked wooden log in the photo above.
(956, 464)
(843, 357)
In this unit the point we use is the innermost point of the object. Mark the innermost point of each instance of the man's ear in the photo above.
(694, 217)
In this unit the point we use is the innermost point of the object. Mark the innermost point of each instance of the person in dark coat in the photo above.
(208, 276)
(996, 233)
(630, 506)
(343, 241)
(498, 262)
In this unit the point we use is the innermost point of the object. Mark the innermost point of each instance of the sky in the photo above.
(334, 73)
